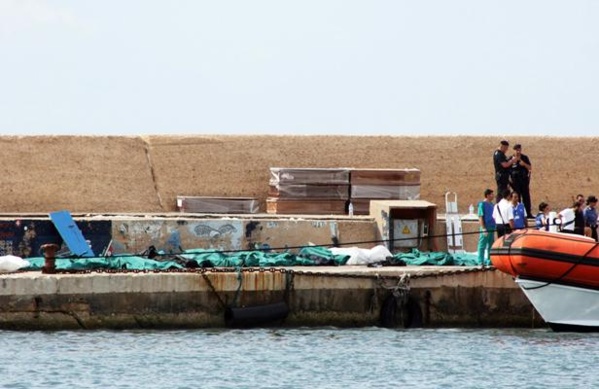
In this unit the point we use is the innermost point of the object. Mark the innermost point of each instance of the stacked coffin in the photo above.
(308, 191)
(205, 204)
(382, 184)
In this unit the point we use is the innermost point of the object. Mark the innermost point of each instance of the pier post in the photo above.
(49, 250)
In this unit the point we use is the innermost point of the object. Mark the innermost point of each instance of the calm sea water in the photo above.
(299, 358)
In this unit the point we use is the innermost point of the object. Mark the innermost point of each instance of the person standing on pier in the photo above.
(520, 172)
(590, 216)
(572, 219)
(542, 220)
(519, 212)
(503, 213)
(579, 198)
(487, 227)
(502, 168)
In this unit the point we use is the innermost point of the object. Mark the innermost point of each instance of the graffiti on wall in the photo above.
(175, 236)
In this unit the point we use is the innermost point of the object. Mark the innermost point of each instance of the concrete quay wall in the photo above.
(23, 235)
(340, 296)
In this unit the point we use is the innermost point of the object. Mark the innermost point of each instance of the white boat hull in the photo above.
(563, 307)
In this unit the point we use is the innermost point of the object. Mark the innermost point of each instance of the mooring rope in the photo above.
(220, 300)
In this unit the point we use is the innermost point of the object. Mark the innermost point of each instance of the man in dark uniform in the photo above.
(502, 168)
(520, 176)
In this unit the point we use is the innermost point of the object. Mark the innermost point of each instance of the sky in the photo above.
(334, 67)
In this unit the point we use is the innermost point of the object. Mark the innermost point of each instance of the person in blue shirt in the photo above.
(487, 227)
(519, 212)
(590, 216)
(542, 219)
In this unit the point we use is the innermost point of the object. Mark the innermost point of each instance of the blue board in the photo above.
(71, 234)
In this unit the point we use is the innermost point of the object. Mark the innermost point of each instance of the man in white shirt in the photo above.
(503, 214)
(569, 224)
(567, 218)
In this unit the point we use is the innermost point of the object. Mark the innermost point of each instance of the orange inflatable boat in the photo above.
(558, 273)
(548, 256)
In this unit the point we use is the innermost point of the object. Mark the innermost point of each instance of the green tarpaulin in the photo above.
(307, 256)
(417, 258)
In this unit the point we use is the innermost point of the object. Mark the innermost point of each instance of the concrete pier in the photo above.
(316, 296)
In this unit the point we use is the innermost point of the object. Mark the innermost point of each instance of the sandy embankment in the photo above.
(145, 174)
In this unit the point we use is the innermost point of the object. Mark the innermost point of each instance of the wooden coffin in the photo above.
(329, 176)
(205, 204)
(384, 176)
(278, 205)
(338, 192)
(386, 192)
(361, 206)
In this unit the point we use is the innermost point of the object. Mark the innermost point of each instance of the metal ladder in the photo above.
(455, 241)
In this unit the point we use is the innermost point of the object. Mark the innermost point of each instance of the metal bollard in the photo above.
(49, 250)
